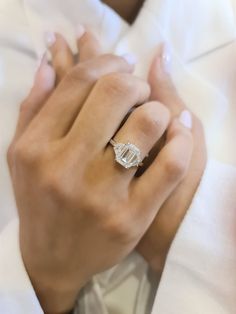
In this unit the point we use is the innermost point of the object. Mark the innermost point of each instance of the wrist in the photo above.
(55, 295)
(155, 260)
(54, 301)
(56, 287)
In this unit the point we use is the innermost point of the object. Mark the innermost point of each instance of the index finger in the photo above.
(162, 86)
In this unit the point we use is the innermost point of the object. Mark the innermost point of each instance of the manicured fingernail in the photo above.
(41, 63)
(186, 119)
(44, 76)
(166, 58)
(41, 60)
(50, 39)
(130, 58)
(80, 30)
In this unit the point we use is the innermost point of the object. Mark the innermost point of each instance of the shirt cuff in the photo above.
(200, 271)
(17, 295)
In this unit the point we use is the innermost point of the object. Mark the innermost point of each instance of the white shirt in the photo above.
(200, 272)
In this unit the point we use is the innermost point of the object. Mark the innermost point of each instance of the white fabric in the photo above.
(200, 274)
(200, 271)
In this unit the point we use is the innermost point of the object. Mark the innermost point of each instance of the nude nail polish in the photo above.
(166, 58)
(186, 119)
(41, 60)
(50, 38)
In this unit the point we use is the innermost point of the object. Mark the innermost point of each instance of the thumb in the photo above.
(162, 86)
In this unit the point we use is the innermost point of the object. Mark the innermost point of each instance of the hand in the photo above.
(155, 244)
(62, 167)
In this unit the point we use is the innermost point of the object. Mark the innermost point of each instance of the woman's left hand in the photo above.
(155, 244)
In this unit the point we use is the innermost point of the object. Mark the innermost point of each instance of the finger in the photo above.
(89, 46)
(66, 102)
(106, 107)
(169, 168)
(162, 86)
(43, 85)
(144, 127)
(163, 90)
(62, 56)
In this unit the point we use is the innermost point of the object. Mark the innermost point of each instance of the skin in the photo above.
(156, 242)
(127, 9)
(155, 245)
(68, 230)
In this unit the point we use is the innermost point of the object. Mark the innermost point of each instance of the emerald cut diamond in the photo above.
(127, 155)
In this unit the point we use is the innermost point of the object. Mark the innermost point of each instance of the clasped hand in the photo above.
(81, 212)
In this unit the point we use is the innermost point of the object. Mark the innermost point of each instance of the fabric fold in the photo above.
(195, 257)
(200, 272)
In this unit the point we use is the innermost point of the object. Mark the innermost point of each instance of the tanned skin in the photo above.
(128, 9)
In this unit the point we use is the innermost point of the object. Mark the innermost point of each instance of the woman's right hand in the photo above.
(80, 212)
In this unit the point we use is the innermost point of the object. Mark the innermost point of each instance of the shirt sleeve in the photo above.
(17, 295)
(200, 272)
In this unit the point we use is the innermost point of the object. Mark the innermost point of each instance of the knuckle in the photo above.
(117, 84)
(111, 58)
(152, 121)
(82, 72)
(61, 69)
(27, 154)
(21, 152)
(50, 184)
(94, 208)
(10, 154)
(147, 122)
(25, 105)
(92, 203)
(53, 185)
(118, 228)
(175, 168)
(115, 222)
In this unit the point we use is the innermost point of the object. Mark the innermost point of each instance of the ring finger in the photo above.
(144, 127)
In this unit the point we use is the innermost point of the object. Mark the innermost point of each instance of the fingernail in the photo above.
(186, 119)
(41, 60)
(166, 58)
(50, 39)
(80, 30)
(130, 58)
(45, 75)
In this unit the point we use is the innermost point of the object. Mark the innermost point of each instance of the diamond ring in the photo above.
(127, 155)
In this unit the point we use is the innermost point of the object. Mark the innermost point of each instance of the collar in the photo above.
(192, 28)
